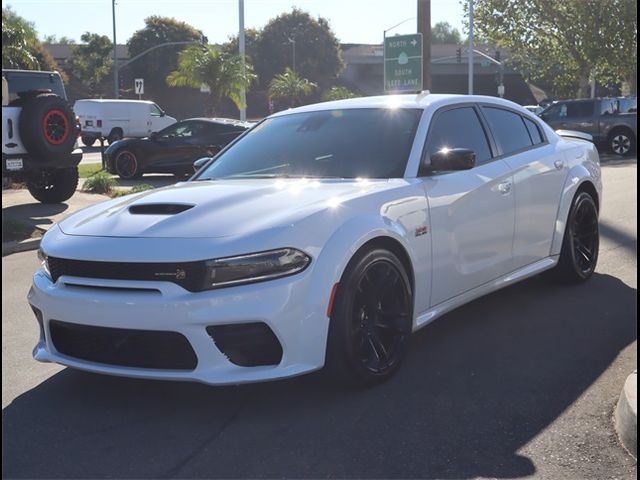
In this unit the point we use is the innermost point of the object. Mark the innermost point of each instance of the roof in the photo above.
(113, 100)
(224, 121)
(419, 100)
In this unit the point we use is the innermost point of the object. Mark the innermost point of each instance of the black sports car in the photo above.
(174, 149)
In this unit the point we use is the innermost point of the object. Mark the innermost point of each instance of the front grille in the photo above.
(123, 347)
(247, 344)
(189, 275)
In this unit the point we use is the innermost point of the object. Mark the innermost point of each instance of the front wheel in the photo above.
(53, 186)
(371, 321)
(579, 254)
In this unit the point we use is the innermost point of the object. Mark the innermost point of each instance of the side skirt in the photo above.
(430, 315)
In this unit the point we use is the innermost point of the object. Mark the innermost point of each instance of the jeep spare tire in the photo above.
(47, 126)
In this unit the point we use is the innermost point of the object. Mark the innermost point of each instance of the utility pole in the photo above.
(293, 41)
(424, 27)
(470, 53)
(243, 93)
(115, 54)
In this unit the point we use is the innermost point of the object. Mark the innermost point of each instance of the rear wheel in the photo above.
(114, 136)
(126, 165)
(53, 186)
(622, 142)
(579, 254)
(88, 141)
(371, 321)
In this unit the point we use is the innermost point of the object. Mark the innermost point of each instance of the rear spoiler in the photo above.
(575, 134)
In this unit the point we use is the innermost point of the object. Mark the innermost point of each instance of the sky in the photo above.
(353, 21)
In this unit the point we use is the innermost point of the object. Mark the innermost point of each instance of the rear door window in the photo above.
(508, 129)
(534, 131)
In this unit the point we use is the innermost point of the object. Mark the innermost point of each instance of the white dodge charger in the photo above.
(322, 237)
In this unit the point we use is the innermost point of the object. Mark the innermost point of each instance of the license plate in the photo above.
(14, 164)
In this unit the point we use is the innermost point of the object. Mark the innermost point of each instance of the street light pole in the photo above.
(115, 54)
(470, 47)
(293, 41)
(243, 93)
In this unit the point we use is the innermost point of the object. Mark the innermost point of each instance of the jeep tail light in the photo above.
(99, 123)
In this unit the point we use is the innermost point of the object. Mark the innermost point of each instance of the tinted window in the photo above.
(23, 82)
(628, 105)
(608, 107)
(350, 143)
(181, 130)
(459, 128)
(534, 131)
(508, 129)
(579, 109)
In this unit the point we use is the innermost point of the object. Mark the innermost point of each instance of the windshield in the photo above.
(352, 143)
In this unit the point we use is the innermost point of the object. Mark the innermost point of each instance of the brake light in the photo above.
(99, 123)
(78, 126)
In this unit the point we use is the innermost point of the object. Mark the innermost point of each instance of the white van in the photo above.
(116, 119)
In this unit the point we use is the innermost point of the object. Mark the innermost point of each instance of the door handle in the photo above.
(504, 188)
(559, 164)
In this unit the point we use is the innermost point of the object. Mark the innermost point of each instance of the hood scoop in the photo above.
(159, 208)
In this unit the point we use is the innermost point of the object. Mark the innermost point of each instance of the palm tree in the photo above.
(288, 85)
(224, 75)
(338, 93)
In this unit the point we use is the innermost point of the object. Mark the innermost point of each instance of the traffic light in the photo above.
(121, 82)
(459, 55)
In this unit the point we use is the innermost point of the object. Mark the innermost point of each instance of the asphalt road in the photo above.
(519, 384)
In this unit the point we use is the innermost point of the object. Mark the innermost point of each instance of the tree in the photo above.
(562, 44)
(317, 50)
(443, 32)
(156, 65)
(290, 87)
(64, 40)
(225, 75)
(91, 61)
(338, 93)
(21, 47)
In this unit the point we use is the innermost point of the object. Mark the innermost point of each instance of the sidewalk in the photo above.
(20, 205)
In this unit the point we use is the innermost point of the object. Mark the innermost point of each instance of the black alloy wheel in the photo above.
(579, 255)
(126, 165)
(372, 319)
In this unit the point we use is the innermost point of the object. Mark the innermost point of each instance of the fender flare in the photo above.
(576, 178)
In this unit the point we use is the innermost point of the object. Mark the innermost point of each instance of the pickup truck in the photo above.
(612, 122)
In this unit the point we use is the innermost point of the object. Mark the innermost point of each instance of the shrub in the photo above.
(101, 182)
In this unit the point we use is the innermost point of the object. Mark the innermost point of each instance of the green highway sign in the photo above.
(403, 63)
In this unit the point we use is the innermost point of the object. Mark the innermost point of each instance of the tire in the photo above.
(622, 142)
(89, 141)
(54, 186)
(114, 136)
(581, 242)
(126, 165)
(371, 321)
(47, 126)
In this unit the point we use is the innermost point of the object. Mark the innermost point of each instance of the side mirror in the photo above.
(162, 114)
(452, 159)
(198, 164)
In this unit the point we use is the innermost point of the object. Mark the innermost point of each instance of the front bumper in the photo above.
(163, 306)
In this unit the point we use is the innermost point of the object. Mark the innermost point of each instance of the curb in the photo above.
(626, 415)
(24, 246)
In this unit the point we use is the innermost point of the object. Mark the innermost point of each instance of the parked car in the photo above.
(323, 237)
(174, 149)
(535, 109)
(39, 135)
(612, 122)
(117, 119)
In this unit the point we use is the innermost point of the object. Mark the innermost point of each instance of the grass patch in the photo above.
(16, 230)
(101, 182)
(89, 170)
(137, 189)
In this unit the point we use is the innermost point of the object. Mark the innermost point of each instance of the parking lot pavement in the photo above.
(519, 384)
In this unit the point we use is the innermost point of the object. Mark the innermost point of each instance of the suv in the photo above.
(612, 122)
(39, 135)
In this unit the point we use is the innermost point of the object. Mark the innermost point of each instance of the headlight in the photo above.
(254, 267)
(44, 262)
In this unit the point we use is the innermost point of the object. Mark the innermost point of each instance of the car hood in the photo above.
(218, 208)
